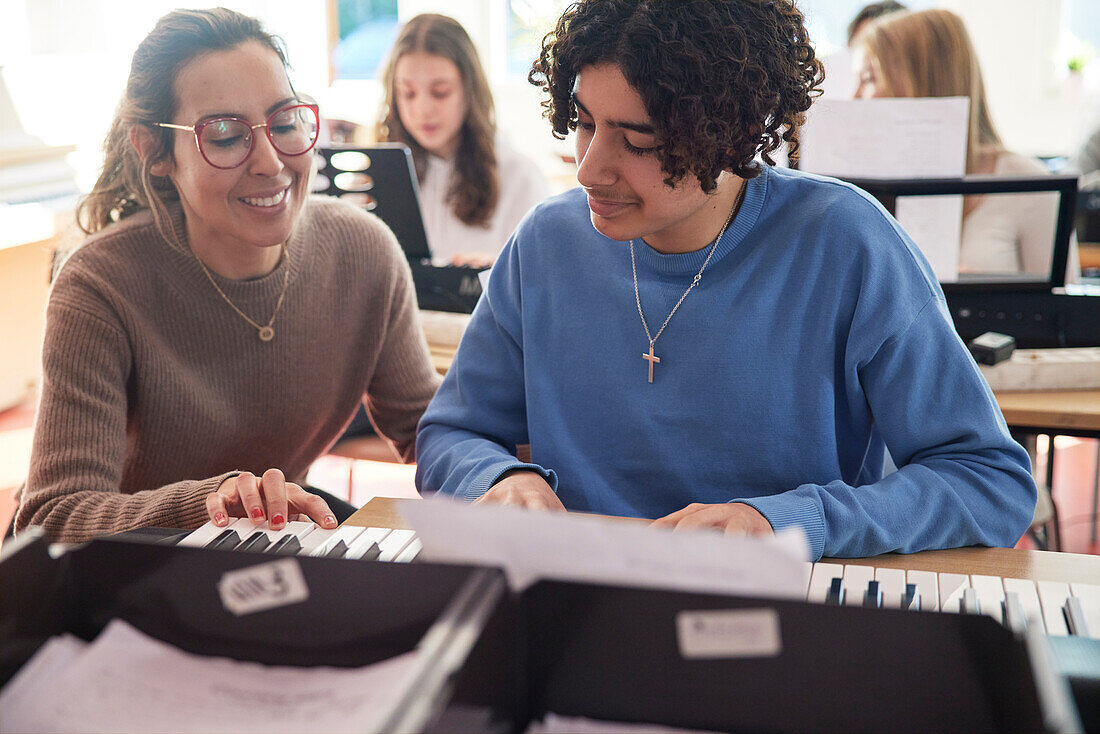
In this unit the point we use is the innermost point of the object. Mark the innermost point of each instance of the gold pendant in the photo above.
(267, 334)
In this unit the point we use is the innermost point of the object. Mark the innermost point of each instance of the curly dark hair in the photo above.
(721, 80)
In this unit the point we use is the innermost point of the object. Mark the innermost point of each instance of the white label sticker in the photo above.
(729, 633)
(264, 586)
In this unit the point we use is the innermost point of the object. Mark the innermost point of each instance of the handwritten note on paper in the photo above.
(125, 681)
(568, 546)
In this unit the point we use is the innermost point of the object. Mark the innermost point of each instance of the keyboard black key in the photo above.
(288, 545)
(372, 553)
(227, 539)
(338, 550)
(836, 592)
(911, 599)
(872, 598)
(255, 542)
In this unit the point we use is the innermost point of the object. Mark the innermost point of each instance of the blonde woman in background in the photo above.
(929, 54)
(474, 187)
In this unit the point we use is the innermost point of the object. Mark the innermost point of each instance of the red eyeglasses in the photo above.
(226, 142)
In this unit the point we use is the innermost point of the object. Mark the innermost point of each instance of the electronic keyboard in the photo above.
(1061, 609)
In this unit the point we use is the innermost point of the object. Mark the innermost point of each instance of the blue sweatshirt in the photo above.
(817, 339)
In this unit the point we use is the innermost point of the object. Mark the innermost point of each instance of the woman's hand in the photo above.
(736, 518)
(522, 488)
(268, 497)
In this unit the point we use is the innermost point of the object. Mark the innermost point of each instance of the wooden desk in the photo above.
(1006, 562)
(1063, 412)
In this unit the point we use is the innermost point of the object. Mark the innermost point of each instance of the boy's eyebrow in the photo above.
(643, 128)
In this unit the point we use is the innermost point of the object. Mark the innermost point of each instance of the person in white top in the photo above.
(474, 187)
(929, 54)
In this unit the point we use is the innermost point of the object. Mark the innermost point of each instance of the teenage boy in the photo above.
(703, 339)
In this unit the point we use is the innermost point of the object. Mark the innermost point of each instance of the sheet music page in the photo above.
(935, 224)
(532, 545)
(886, 138)
(898, 138)
(125, 681)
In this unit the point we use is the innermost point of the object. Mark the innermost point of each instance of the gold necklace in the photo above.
(650, 356)
(267, 332)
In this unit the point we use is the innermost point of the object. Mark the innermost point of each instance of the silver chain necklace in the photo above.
(650, 356)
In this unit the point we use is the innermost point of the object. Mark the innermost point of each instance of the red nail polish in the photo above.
(330, 520)
(219, 518)
(257, 513)
(277, 520)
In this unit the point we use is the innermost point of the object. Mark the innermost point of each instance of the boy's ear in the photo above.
(142, 140)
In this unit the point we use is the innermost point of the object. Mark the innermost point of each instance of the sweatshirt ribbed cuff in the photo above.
(789, 509)
(480, 484)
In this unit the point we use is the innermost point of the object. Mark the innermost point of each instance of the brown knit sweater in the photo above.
(154, 390)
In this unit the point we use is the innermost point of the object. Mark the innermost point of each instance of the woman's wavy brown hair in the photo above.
(126, 184)
(929, 54)
(722, 80)
(475, 190)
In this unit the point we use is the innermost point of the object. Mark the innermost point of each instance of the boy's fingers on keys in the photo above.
(275, 490)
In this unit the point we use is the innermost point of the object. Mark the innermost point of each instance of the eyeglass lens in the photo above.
(227, 143)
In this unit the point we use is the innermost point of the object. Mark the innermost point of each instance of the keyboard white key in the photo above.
(203, 535)
(807, 573)
(344, 534)
(394, 543)
(856, 579)
(1052, 597)
(892, 583)
(1088, 595)
(820, 580)
(366, 540)
(990, 593)
(315, 539)
(952, 587)
(411, 551)
(1028, 597)
(928, 585)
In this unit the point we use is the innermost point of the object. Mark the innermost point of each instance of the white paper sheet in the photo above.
(126, 681)
(885, 138)
(898, 138)
(935, 224)
(532, 545)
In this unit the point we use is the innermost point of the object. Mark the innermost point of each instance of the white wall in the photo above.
(66, 62)
(1036, 108)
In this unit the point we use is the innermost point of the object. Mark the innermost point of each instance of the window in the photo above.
(366, 29)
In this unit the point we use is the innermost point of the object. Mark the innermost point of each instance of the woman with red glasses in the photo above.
(219, 328)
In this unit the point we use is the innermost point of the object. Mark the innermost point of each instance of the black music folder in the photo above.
(493, 661)
(382, 179)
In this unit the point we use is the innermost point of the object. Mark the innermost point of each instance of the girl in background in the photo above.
(929, 54)
(474, 187)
